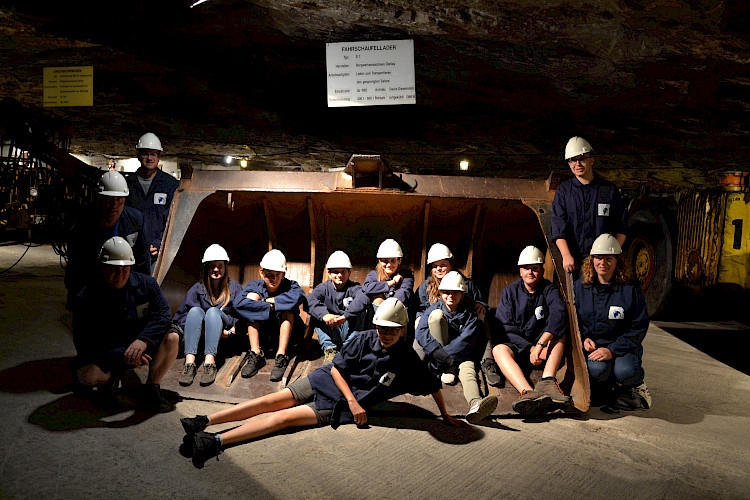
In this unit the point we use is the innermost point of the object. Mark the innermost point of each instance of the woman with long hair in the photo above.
(207, 308)
(613, 320)
(389, 278)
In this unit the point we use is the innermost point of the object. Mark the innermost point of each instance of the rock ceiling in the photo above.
(661, 88)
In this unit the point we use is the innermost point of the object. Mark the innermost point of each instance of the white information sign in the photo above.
(370, 73)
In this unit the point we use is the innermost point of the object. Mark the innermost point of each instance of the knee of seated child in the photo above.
(436, 315)
(171, 339)
(503, 351)
(91, 375)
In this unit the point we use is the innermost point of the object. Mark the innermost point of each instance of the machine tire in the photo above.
(650, 251)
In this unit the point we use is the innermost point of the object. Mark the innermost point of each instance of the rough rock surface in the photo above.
(655, 86)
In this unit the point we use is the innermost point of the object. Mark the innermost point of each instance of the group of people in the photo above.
(531, 331)
(379, 339)
(121, 319)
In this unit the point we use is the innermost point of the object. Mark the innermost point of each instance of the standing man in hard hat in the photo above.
(271, 307)
(110, 218)
(120, 322)
(532, 322)
(584, 207)
(151, 191)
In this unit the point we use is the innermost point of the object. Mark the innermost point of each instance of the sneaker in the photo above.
(194, 425)
(282, 361)
(329, 355)
(644, 393)
(253, 363)
(481, 409)
(209, 374)
(551, 388)
(205, 446)
(448, 378)
(632, 398)
(153, 401)
(531, 403)
(492, 374)
(188, 374)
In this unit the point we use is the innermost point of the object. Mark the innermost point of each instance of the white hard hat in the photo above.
(391, 312)
(339, 260)
(113, 183)
(453, 281)
(215, 252)
(577, 146)
(530, 255)
(437, 252)
(389, 249)
(606, 244)
(116, 251)
(274, 260)
(149, 141)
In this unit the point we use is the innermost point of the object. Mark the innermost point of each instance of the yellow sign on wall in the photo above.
(69, 86)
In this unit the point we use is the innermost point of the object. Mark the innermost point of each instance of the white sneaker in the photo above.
(481, 409)
(448, 378)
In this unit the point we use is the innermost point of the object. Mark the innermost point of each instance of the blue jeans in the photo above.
(212, 321)
(346, 331)
(627, 370)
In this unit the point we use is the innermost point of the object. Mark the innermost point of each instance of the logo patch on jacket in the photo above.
(141, 311)
(160, 198)
(539, 312)
(387, 379)
(347, 301)
(131, 238)
(616, 312)
(603, 209)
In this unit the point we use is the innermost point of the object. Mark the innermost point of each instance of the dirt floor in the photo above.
(693, 443)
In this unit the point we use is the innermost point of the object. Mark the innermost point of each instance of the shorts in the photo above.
(303, 393)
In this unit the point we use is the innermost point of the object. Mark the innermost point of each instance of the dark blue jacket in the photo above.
(581, 212)
(106, 320)
(154, 204)
(374, 374)
(198, 296)
(613, 316)
(403, 291)
(86, 240)
(472, 292)
(464, 332)
(288, 297)
(325, 299)
(523, 316)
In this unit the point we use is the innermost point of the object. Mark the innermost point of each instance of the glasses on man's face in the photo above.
(148, 155)
(579, 159)
(388, 331)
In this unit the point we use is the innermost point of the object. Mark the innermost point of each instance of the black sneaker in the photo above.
(209, 374)
(188, 374)
(253, 364)
(492, 374)
(194, 425)
(205, 446)
(282, 361)
(151, 399)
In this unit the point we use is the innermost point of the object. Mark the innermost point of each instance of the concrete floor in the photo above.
(694, 443)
